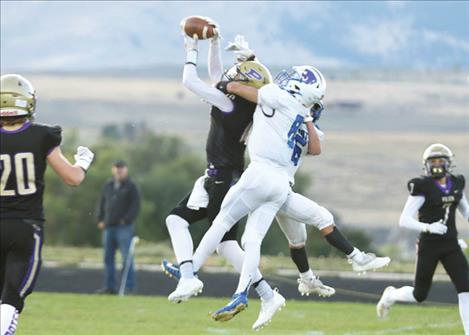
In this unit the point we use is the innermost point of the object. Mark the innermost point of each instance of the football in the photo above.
(198, 27)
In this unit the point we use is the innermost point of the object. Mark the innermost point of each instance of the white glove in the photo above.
(84, 157)
(216, 29)
(462, 244)
(190, 43)
(241, 49)
(437, 228)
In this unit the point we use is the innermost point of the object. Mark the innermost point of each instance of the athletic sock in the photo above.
(8, 319)
(299, 257)
(250, 264)
(308, 275)
(186, 269)
(464, 310)
(403, 294)
(337, 240)
(263, 289)
(181, 239)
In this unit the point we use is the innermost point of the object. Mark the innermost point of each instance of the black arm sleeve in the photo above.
(102, 203)
(134, 206)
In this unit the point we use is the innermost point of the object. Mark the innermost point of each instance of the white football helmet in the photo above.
(305, 83)
(434, 151)
(17, 96)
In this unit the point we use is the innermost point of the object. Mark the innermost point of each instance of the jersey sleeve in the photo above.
(415, 187)
(53, 138)
(268, 95)
(461, 180)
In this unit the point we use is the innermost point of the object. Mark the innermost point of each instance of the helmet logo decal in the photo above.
(308, 77)
(254, 74)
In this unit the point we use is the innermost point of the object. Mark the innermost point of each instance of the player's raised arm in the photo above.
(215, 63)
(72, 175)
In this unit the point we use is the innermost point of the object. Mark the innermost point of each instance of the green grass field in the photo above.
(71, 314)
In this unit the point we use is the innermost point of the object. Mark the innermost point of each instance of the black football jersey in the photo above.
(440, 203)
(23, 162)
(224, 146)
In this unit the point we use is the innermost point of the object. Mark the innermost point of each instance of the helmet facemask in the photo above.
(437, 159)
(305, 83)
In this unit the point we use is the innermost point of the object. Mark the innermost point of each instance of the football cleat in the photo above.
(171, 270)
(238, 303)
(314, 286)
(384, 304)
(268, 310)
(187, 287)
(369, 261)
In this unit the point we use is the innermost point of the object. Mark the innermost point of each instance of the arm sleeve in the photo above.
(53, 138)
(411, 207)
(101, 206)
(134, 206)
(215, 64)
(210, 94)
(463, 207)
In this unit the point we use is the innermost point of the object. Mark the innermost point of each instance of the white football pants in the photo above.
(298, 211)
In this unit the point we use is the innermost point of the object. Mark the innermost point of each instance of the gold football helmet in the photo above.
(17, 96)
(429, 159)
(251, 73)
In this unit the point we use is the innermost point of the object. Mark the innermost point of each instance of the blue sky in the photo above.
(79, 35)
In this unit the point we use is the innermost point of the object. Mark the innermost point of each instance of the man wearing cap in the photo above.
(118, 209)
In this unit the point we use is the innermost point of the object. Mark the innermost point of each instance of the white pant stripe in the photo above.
(32, 274)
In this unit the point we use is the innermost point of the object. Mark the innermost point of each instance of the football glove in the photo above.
(84, 157)
(216, 29)
(462, 244)
(437, 228)
(240, 47)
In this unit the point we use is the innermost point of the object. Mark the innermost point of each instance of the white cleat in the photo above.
(314, 286)
(369, 261)
(268, 310)
(186, 288)
(384, 304)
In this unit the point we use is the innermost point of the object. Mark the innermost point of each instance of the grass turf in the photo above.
(72, 314)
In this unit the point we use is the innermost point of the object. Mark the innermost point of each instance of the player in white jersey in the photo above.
(279, 136)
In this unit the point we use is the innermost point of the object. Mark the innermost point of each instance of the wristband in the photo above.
(191, 57)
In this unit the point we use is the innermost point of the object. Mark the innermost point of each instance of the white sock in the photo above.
(187, 270)
(232, 252)
(464, 310)
(180, 238)
(356, 255)
(308, 275)
(250, 265)
(208, 245)
(264, 290)
(403, 294)
(8, 319)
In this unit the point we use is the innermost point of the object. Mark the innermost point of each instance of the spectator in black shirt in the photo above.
(118, 209)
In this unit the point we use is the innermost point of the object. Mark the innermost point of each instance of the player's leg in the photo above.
(178, 222)
(22, 266)
(229, 247)
(110, 247)
(295, 232)
(124, 238)
(257, 226)
(302, 209)
(455, 264)
(427, 260)
(242, 198)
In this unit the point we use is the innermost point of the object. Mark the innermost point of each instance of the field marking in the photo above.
(400, 330)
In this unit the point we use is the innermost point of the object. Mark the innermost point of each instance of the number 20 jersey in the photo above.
(279, 136)
(23, 162)
(440, 203)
